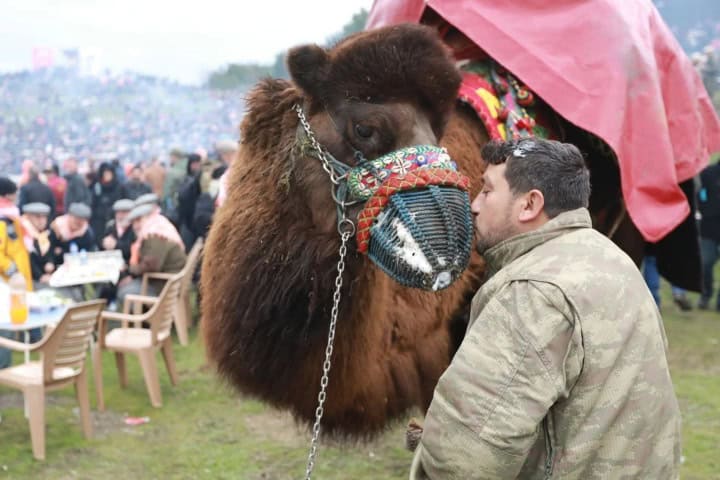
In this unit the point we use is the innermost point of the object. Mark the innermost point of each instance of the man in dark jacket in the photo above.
(72, 228)
(709, 206)
(36, 191)
(77, 191)
(42, 261)
(105, 192)
(119, 234)
(135, 186)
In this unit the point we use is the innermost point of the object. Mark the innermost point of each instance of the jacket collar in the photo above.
(505, 252)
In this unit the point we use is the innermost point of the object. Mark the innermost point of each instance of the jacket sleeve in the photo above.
(519, 356)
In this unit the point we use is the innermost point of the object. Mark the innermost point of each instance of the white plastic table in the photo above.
(34, 320)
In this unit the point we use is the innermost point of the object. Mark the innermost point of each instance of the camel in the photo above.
(269, 268)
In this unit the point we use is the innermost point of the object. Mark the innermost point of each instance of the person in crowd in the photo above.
(58, 186)
(35, 191)
(72, 228)
(14, 257)
(119, 234)
(227, 151)
(173, 181)
(149, 199)
(158, 248)
(188, 197)
(119, 170)
(77, 191)
(205, 204)
(155, 177)
(135, 186)
(651, 275)
(563, 369)
(709, 208)
(35, 221)
(105, 192)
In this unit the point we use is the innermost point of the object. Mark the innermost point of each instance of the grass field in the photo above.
(204, 431)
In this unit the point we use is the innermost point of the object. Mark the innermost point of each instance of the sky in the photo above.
(179, 39)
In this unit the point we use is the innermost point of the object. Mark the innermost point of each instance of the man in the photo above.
(72, 228)
(57, 185)
(135, 186)
(77, 191)
(158, 248)
(14, 259)
(35, 222)
(562, 372)
(35, 191)
(105, 191)
(227, 151)
(173, 181)
(155, 176)
(709, 206)
(118, 231)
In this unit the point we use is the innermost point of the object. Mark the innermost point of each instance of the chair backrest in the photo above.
(162, 313)
(190, 266)
(67, 345)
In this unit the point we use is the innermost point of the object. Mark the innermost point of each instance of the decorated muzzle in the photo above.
(416, 223)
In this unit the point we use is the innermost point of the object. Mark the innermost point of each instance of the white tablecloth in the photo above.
(98, 267)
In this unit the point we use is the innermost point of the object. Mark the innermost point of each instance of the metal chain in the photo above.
(345, 236)
(316, 145)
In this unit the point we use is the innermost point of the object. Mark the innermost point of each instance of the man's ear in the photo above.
(532, 206)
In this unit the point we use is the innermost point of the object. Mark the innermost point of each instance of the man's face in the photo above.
(137, 224)
(121, 218)
(195, 167)
(494, 209)
(70, 166)
(136, 174)
(76, 223)
(228, 157)
(107, 176)
(38, 221)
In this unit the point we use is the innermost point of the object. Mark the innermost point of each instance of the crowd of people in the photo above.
(153, 214)
(54, 114)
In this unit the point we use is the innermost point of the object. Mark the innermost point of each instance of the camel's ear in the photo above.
(308, 67)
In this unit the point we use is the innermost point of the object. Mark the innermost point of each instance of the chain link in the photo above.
(327, 363)
(316, 145)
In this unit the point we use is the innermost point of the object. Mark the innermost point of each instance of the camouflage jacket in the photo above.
(562, 372)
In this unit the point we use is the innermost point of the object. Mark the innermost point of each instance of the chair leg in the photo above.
(35, 397)
(169, 358)
(83, 398)
(181, 321)
(121, 368)
(97, 373)
(150, 372)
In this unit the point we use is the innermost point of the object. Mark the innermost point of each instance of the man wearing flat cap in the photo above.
(35, 220)
(73, 227)
(119, 234)
(158, 248)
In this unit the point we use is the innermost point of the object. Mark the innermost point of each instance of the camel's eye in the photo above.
(363, 131)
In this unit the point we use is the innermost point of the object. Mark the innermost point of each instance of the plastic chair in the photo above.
(143, 342)
(183, 314)
(62, 362)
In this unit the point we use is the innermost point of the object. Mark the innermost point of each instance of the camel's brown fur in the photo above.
(269, 267)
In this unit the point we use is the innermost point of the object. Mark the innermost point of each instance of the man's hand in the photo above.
(49, 267)
(45, 278)
(413, 434)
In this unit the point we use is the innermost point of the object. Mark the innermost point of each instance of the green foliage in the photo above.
(242, 75)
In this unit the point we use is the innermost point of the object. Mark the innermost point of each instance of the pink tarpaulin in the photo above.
(611, 67)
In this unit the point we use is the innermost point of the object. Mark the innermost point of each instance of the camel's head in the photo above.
(374, 93)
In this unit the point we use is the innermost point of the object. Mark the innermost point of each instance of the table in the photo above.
(98, 267)
(35, 319)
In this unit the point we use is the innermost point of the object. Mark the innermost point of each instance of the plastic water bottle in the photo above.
(73, 257)
(83, 256)
(73, 249)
